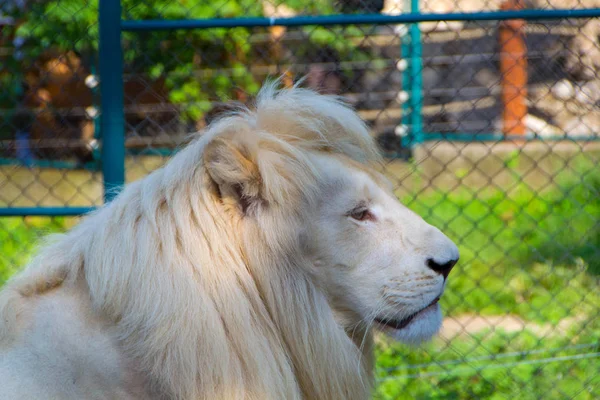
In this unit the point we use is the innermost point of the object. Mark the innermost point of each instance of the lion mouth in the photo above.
(403, 323)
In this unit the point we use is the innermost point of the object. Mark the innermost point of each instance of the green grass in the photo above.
(19, 238)
(492, 365)
(524, 252)
(527, 253)
(534, 254)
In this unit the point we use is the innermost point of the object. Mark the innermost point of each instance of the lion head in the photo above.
(379, 262)
(302, 175)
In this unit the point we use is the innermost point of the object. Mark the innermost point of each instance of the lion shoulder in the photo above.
(61, 349)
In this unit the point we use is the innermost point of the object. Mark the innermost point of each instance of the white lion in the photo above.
(254, 265)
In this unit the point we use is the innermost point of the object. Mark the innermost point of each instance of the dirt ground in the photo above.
(468, 324)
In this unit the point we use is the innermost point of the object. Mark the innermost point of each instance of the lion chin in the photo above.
(422, 328)
(253, 265)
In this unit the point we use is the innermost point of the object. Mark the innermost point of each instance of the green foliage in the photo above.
(19, 238)
(177, 56)
(492, 365)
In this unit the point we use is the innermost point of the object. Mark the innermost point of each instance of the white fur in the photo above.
(234, 272)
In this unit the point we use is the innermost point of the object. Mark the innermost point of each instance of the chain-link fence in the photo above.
(489, 126)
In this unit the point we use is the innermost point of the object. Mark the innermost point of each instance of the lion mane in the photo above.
(211, 304)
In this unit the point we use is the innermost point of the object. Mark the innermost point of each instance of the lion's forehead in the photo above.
(341, 170)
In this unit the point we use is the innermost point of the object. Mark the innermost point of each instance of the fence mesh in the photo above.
(522, 306)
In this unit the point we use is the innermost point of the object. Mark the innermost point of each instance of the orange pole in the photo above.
(513, 71)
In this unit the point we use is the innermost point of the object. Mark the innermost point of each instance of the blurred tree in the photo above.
(72, 25)
(194, 66)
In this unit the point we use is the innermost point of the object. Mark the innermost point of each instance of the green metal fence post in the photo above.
(416, 87)
(112, 123)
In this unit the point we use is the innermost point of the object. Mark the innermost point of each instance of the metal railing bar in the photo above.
(45, 211)
(361, 19)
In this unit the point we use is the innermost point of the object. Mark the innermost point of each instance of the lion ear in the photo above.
(231, 163)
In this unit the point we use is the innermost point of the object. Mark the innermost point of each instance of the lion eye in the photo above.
(362, 214)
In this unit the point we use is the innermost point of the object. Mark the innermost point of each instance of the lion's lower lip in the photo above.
(403, 323)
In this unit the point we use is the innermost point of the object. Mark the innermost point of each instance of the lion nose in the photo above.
(443, 268)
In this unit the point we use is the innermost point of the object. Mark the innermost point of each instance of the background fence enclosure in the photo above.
(489, 124)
